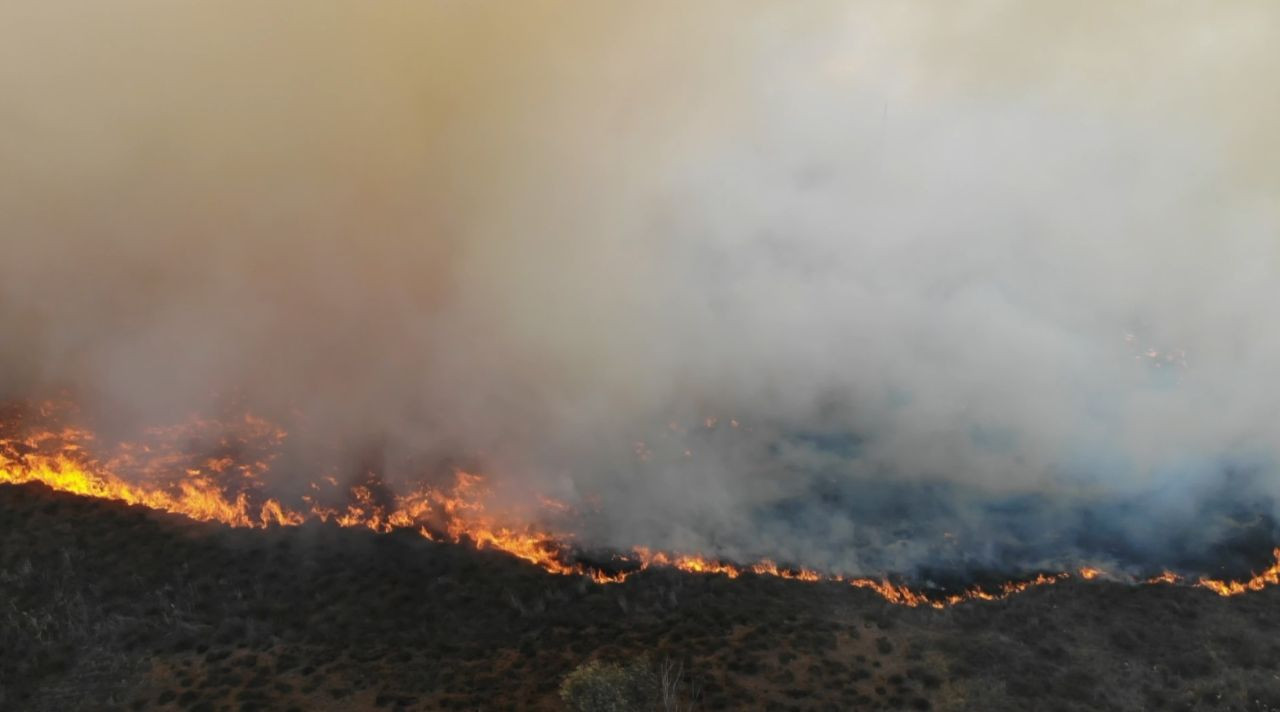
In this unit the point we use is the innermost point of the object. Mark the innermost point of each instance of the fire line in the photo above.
(164, 478)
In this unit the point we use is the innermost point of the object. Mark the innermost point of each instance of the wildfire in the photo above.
(212, 471)
(1165, 577)
(1269, 577)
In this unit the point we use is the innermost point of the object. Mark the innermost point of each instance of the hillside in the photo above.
(110, 607)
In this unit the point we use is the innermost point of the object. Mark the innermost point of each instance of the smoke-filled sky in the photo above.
(931, 256)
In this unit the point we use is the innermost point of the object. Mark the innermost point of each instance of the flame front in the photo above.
(222, 481)
(212, 487)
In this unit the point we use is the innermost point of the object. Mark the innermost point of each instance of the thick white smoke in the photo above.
(1010, 249)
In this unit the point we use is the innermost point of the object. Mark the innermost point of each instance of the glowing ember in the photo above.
(213, 471)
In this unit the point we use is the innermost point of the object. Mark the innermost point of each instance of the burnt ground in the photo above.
(103, 606)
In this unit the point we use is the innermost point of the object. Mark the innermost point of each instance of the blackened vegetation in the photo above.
(107, 607)
(1223, 529)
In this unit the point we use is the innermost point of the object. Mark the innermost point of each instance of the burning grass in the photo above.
(213, 470)
(199, 616)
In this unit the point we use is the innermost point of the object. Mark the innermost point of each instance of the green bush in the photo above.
(608, 687)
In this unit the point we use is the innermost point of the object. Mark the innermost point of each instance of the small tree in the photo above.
(608, 687)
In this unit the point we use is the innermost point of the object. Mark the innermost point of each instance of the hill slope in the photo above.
(108, 607)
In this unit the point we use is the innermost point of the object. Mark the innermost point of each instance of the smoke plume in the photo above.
(869, 286)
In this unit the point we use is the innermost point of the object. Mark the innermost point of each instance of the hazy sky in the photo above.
(965, 233)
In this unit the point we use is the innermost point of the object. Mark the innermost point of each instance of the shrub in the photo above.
(608, 687)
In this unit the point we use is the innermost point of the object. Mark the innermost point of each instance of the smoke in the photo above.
(989, 283)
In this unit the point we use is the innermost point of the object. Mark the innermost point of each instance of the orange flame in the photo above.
(1167, 577)
(225, 485)
(1269, 577)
